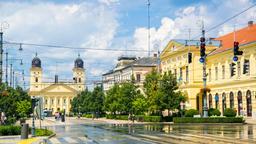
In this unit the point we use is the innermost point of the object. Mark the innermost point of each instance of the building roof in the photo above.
(243, 36)
(140, 62)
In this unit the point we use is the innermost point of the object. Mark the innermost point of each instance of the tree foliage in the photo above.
(12, 100)
(88, 102)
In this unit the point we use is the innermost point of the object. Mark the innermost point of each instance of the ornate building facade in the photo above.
(56, 95)
(231, 84)
(128, 67)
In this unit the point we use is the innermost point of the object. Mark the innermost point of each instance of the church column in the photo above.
(55, 104)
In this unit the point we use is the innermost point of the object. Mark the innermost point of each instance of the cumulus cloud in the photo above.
(191, 17)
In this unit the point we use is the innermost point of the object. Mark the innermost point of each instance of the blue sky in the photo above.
(107, 24)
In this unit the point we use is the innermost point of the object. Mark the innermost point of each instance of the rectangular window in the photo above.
(187, 74)
(223, 72)
(246, 67)
(138, 77)
(175, 73)
(180, 73)
(238, 69)
(216, 73)
(210, 74)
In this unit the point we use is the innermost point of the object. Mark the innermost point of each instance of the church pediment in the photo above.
(58, 88)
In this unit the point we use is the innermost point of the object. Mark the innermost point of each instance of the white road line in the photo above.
(70, 140)
(84, 139)
(54, 141)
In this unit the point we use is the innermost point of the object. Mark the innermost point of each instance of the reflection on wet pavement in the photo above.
(159, 133)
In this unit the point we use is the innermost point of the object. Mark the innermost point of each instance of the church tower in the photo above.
(79, 74)
(35, 74)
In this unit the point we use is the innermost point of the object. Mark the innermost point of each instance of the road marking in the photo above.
(54, 141)
(69, 140)
(84, 139)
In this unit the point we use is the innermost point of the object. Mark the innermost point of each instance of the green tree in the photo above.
(96, 100)
(171, 96)
(9, 99)
(111, 103)
(140, 105)
(153, 93)
(23, 108)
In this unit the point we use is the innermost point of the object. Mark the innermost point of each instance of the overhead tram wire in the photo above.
(74, 48)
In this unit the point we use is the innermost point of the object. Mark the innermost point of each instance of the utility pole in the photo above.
(6, 68)
(10, 75)
(13, 76)
(205, 108)
(148, 28)
(1, 56)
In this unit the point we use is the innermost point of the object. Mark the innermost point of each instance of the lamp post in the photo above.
(33, 119)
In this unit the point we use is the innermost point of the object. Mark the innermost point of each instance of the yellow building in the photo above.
(56, 95)
(232, 84)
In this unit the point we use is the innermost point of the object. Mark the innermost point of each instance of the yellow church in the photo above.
(231, 84)
(56, 95)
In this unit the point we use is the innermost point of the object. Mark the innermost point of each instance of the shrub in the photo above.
(209, 120)
(10, 130)
(152, 119)
(87, 115)
(117, 117)
(229, 112)
(191, 113)
(213, 112)
(110, 116)
(43, 132)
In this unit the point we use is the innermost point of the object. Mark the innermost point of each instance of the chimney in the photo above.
(250, 23)
(155, 55)
(56, 79)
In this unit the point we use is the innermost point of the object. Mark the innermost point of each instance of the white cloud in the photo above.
(109, 2)
(83, 24)
(191, 18)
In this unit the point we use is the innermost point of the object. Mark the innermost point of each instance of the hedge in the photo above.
(87, 115)
(191, 113)
(6, 130)
(10, 130)
(117, 117)
(209, 120)
(140, 118)
(143, 118)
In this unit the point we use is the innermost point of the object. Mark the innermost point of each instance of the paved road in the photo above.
(88, 131)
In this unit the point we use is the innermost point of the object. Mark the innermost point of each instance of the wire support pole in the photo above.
(148, 28)
(1, 56)
(205, 107)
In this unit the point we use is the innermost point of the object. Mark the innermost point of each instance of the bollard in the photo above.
(24, 131)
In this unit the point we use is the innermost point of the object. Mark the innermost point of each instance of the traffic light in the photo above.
(189, 57)
(202, 47)
(34, 102)
(236, 51)
(233, 69)
(246, 66)
(202, 50)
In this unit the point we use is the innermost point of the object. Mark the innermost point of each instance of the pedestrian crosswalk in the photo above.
(70, 140)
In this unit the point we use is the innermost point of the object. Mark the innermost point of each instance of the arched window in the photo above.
(36, 79)
(216, 100)
(231, 99)
(79, 80)
(240, 103)
(223, 102)
(210, 100)
(249, 103)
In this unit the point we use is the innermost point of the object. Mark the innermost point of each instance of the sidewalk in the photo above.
(250, 120)
(16, 140)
